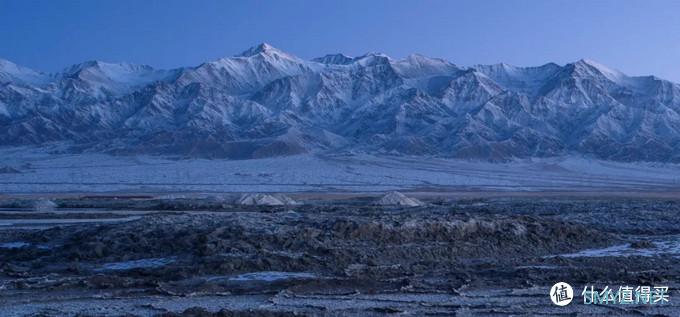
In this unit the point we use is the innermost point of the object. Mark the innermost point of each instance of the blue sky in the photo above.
(637, 37)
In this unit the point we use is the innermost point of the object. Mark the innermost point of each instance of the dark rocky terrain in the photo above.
(203, 257)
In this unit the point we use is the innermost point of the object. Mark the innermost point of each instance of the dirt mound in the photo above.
(259, 199)
(398, 199)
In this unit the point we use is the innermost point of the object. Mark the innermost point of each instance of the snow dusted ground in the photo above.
(663, 246)
(42, 171)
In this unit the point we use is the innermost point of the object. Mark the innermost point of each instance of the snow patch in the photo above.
(10, 72)
(14, 245)
(272, 276)
(136, 264)
(665, 247)
(260, 199)
(44, 205)
(398, 199)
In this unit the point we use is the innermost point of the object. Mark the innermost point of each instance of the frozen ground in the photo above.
(135, 264)
(465, 257)
(173, 243)
(8, 224)
(667, 246)
(41, 171)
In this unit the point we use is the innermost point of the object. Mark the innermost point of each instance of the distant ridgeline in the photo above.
(265, 102)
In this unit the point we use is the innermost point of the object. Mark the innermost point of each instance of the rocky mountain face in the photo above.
(265, 102)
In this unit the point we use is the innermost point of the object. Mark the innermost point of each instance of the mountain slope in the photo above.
(266, 102)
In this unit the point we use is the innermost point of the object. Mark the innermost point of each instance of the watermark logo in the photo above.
(561, 294)
(640, 295)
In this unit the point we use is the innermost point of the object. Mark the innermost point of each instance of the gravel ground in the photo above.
(202, 257)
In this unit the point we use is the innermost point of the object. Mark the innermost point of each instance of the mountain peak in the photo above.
(422, 59)
(105, 68)
(417, 65)
(375, 54)
(334, 59)
(584, 62)
(262, 48)
(235, 107)
(11, 72)
(590, 62)
(4, 63)
(589, 66)
(82, 66)
(373, 59)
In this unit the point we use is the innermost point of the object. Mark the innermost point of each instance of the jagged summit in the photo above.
(84, 65)
(334, 59)
(417, 65)
(528, 80)
(5, 64)
(13, 73)
(595, 64)
(593, 68)
(262, 48)
(103, 66)
(420, 58)
(374, 55)
(105, 79)
(98, 70)
(266, 102)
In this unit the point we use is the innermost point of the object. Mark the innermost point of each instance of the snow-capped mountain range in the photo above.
(266, 102)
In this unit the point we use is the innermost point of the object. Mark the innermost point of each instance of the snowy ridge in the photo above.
(13, 73)
(265, 102)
